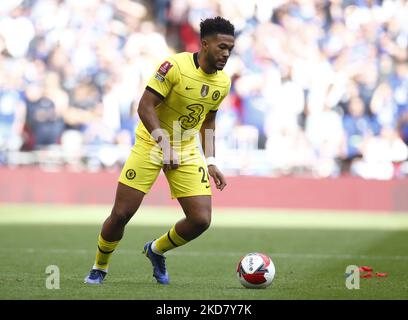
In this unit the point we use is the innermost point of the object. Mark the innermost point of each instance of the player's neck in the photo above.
(204, 64)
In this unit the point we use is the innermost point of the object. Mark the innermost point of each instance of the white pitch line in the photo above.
(215, 254)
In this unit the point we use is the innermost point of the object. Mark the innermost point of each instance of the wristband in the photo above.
(211, 161)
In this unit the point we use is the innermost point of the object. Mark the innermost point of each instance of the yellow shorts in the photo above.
(145, 162)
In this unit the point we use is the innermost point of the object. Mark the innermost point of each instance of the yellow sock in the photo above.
(168, 241)
(103, 253)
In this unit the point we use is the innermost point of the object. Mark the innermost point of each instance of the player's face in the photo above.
(219, 50)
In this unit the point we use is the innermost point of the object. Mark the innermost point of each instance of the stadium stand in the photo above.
(320, 88)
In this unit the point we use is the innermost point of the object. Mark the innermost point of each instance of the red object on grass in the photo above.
(367, 275)
(366, 268)
(379, 274)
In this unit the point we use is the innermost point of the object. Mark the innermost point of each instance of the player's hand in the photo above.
(217, 176)
(170, 158)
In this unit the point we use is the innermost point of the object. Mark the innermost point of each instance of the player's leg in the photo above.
(127, 201)
(197, 210)
(190, 185)
(136, 179)
(198, 217)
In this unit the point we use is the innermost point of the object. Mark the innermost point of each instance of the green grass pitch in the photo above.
(310, 250)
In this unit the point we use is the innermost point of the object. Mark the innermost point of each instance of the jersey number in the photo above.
(205, 177)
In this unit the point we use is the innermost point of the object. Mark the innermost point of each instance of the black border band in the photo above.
(105, 252)
(195, 58)
(168, 235)
(150, 89)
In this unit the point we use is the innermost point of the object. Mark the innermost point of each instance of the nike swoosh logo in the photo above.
(188, 88)
(207, 187)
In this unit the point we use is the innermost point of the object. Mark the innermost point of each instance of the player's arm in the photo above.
(207, 132)
(147, 113)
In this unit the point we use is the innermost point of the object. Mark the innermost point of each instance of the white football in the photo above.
(255, 270)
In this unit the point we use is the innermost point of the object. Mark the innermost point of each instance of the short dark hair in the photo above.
(217, 25)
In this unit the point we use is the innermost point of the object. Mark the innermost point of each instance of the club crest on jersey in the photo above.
(215, 95)
(204, 90)
(130, 174)
(164, 68)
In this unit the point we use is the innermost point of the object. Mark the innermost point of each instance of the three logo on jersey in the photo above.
(193, 118)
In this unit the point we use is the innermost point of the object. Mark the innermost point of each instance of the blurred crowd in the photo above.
(320, 88)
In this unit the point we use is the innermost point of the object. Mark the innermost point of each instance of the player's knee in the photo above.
(202, 222)
(121, 216)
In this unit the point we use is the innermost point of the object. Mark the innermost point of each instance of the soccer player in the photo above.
(181, 100)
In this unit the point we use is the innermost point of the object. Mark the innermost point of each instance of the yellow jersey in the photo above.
(188, 94)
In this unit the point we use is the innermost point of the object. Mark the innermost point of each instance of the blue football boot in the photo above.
(95, 277)
(158, 262)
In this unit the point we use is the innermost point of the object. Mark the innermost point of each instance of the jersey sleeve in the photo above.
(164, 78)
(222, 96)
